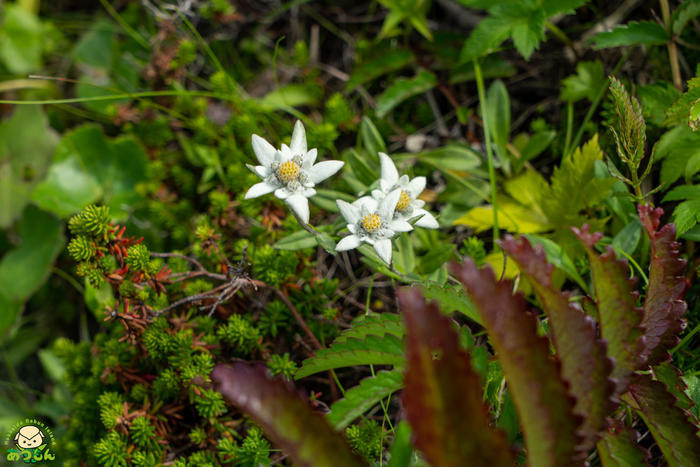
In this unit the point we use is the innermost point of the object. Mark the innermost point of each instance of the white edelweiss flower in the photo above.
(371, 221)
(408, 206)
(290, 171)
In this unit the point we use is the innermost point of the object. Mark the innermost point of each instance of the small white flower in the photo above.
(408, 206)
(290, 171)
(371, 221)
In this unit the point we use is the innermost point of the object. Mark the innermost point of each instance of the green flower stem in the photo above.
(558, 33)
(672, 50)
(487, 141)
(569, 128)
(129, 30)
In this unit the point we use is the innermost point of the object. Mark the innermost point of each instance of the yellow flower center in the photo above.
(288, 171)
(404, 201)
(371, 222)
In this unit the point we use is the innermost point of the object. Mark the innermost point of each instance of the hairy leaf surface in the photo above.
(284, 416)
(674, 428)
(540, 394)
(363, 397)
(443, 396)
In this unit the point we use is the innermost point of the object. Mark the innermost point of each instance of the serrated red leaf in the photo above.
(664, 306)
(284, 416)
(619, 316)
(442, 395)
(584, 363)
(540, 394)
(674, 428)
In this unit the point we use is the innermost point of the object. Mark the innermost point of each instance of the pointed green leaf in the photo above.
(371, 138)
(619, 315)
(498, 106)
(487, 36)
(674, 428)
(663, 306)
(296, 241)
(363, 397)
(373, 324)
(403, 89)
(584, 364)
(388, 61)
(586, 83)
(284, 416)
(451, 298)
(620, 448)
(687, 11)
(443, 397)
(541, 396)
(401, 449)
(633, 33)
(372, 350)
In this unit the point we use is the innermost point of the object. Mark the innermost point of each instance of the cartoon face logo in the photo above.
(29, 437)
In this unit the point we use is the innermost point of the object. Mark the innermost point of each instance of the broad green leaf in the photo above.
(296, 241)
(674, 429)
(633, 33)
(20, 40)
(535, 146)
(619, 316)
(326, 242)
(373, 324)
(97, 46)
(442, 395)
(24, 269)
(681, 193)
(286, 419)
(512, 216)
(687, 215)
(558, 257)
(27, 143)
(452, 156)
(291, 95)
(628, 238)
(363, 397)
(545, 408)
(372, 350)
(586, 83)
(655, 99)
(405, 260)
(404, 88)
(671, 377)
(450, 298)
(486, 37)
(10, 310)
(679, 112)
(663, 305)
(436, 256)
(584, 364)
(326, 199)
(498, 106)
(371, 138)
(555, 7)
(620, 448)
(390, 60)
(87, 167)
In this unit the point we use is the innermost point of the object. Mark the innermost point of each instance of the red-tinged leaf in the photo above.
(540, 394)
(283, 415)
(442, 395)
(618, 313)
(674, 428)
(619, 448)
(584, 363)
(671, 377)
(664, 306)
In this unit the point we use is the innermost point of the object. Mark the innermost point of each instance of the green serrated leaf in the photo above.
(541, 396)
(673, 428)
(620, 448)
(403, 89)
(586, 83)
(371, 350)
(363, 397)
(633, 33)
(486, 37)
(296, 241)
(687, 11)
(619, 316)
(451, 298)
(527, 37)
(443, 397)
(286, 419)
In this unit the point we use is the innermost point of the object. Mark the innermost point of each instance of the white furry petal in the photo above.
(323, 170)
(348, 243)
(259, 189)
(389, 172)
(383, 249)
(300, 205)
(349, 212)
(427, 221)
(298, 143)
(264, 151)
